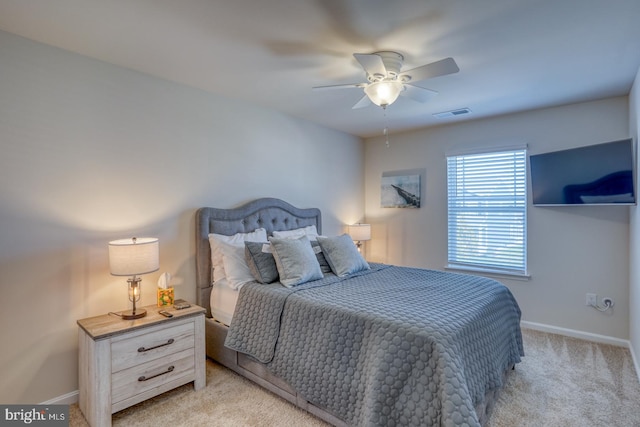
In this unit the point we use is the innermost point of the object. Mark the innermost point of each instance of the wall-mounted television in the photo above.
(600, 174)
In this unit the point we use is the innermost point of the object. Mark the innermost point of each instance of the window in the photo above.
(487, 212)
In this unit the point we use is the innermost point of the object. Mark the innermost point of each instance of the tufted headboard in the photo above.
(269, 213)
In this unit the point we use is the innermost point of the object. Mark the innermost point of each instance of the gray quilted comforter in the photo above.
(392, 346)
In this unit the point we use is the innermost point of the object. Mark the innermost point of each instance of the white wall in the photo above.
(571, 250)
(634, 249)
(92, 152)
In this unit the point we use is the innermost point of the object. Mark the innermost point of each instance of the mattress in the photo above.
(223, 302)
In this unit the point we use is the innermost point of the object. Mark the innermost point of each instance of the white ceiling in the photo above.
(513, 55)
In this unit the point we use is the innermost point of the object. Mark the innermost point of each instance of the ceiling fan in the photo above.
(386, 82)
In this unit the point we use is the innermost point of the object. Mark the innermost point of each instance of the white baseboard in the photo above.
(603, 339)
(65, 399)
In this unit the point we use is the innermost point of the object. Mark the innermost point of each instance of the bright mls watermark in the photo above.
(37, 415)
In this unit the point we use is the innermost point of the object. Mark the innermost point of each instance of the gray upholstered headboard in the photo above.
(271, 214)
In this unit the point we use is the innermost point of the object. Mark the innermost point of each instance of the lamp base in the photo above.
(131, 314)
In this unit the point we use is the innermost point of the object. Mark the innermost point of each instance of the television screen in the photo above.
(592, 175)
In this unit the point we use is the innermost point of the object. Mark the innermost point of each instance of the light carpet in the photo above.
(561, 382)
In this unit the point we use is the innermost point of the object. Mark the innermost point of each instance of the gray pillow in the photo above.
(342, 255)
(324, 265)
(262, 264)
(295, 260)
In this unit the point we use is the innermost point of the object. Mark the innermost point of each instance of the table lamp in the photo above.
(132, 257)
(360, 233)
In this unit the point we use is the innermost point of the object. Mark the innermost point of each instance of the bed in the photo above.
(383, 345)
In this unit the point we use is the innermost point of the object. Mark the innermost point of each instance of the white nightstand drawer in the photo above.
(153, 374)
(151, 344)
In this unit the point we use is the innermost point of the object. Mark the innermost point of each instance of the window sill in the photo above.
(489, 272)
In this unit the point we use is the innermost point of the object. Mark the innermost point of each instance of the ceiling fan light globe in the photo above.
(383, 93)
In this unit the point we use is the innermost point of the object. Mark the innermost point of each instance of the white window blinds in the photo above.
(487, 205)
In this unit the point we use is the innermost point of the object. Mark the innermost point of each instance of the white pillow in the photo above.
(310, 231)
(236, 269)
(259, 235)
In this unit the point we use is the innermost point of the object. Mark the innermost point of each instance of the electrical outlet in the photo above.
(592, 300)
(608, 302)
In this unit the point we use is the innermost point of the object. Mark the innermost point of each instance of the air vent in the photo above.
(453, 113)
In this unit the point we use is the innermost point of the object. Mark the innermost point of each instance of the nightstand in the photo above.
(123, 362)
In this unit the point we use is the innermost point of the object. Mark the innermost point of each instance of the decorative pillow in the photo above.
(310, 231)
(236, 270)
(261, 262)
(295, 260)
(259, 235)
(324, 265)
(342, 255)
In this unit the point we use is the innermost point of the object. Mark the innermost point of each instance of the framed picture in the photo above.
(400, 191)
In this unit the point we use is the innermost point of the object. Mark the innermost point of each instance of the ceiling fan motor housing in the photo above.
(392, 62)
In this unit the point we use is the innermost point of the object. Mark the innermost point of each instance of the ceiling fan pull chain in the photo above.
(385, 132)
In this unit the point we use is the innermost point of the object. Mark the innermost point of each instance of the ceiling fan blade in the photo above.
(435, 69)
(371, 63)
(364, 102)
(417, 93)
(345, 86)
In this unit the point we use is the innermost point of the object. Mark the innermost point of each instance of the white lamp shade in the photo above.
(384, 92)
(130, 257)
(360, 232)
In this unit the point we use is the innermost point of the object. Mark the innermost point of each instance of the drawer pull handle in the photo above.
(169, 369)
(142, 349)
